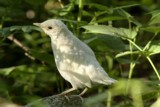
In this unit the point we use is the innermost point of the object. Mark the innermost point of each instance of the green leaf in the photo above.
(101, 7)
(25, 29)
(126, 61)
(110, 18)
(102, 29)
(154, 47)
(113, 42)
(156, 103)
(6, 71)
(155, 17)
(126, 6)
(5, 32)
(127, 16)
(87, 41)
(123, 13)
(153, 29)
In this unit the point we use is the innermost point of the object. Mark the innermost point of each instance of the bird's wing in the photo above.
(83, 47)
(97, 74)
(93, 69)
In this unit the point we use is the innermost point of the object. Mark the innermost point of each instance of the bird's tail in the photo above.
(108, 81)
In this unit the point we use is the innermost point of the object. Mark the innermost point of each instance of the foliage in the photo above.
(123, 34)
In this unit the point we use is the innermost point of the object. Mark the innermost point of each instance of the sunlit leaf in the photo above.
(155, 17)
(154, 47)
(6, 71)
(153, 29)
(125, 86)
(157, 103)
(102, 29)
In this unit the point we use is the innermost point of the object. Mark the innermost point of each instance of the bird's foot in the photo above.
(64, 95)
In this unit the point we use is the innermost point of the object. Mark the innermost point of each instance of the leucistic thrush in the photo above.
(75, 61)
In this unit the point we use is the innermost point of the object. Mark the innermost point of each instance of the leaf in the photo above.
(123, 13)
(87, 41)
(25, 29)
(113, 42)
(156, 103)
(127, 16)
(102, 29)
(154, 47)
(126, 61)
(5, 32)
(101, 7)
(6, 71)
(155, 17)
(8, 30)
(110, 18)
(153, 29)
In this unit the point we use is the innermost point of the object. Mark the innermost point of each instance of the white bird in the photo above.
(75, 61)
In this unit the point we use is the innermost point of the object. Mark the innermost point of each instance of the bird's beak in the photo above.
(37, 24)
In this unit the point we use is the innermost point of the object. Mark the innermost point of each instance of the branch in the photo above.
(62, 101)
(18, 43)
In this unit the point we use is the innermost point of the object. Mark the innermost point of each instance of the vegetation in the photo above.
(123, 34)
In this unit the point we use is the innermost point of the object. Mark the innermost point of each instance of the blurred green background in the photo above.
(124, 34)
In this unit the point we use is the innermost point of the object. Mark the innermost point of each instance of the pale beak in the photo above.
(37, 24)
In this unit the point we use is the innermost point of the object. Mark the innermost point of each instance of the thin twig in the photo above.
(18, 43)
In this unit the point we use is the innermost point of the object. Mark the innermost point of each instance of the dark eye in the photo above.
(49, 27)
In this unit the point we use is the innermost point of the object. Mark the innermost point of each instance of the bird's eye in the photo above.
(49, 27)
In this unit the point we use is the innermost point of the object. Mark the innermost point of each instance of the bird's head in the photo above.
(51, 27)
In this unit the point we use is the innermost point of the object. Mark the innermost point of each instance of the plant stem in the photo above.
(132, 64)
(79, 17)
(109, 99)
(131, 57)
(154, 68)
(80, 10)
(135, 45)
(147, 45)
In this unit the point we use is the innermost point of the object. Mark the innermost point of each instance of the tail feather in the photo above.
(109, 81)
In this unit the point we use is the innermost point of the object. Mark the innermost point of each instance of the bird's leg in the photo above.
(82, 93)
(67, 91)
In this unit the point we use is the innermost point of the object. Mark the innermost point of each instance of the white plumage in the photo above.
(75, 61)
